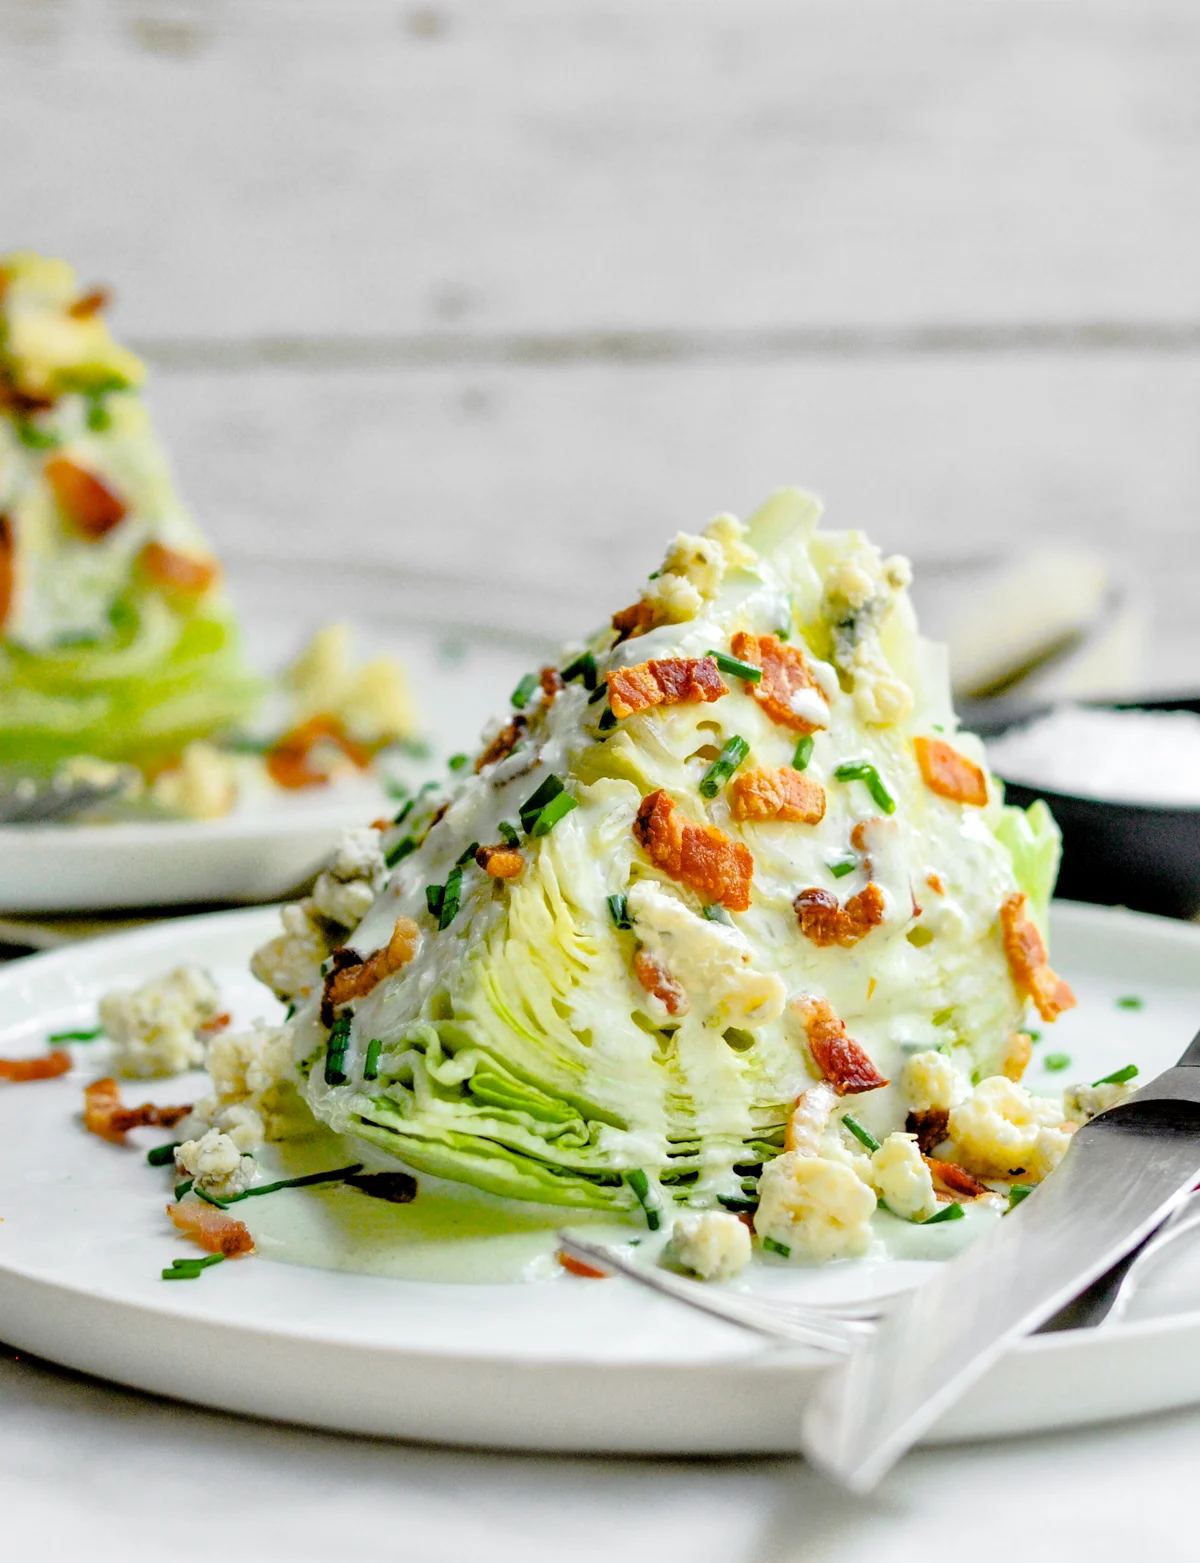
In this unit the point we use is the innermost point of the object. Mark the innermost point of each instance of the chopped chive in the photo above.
(1034, 1036)
(640, 1184)
(607, 720)
(402, 814)
(803, 754)
(772, 1247)
(537, 800)
(99, 419)
(395, 789)
(861, 1134)
(521, 694)
(583, 667)
(508, 833)
(920, 937)
(75, 1036)
(467, 854)
(416, 748)
(737, 1206)
(339, 1175)
(1056, 1061)
(336, 1049)
(549, 817)
(400, 851)
(183, 1188)
(736, 669)
(451, 896)
(951, 1212)
(457, 761)
(714, 912)
(1016, 1193)
(942, 1016)
(864, 771)
(434, 896)
(34, 438)
(1118, 1076)
(1130, 1001)
(209, 1199)
(189, 1269)
(731, 756)
(371, 1062)
(842, 866)
(163, 1155)
(618, 910)
(938, 728)
(598, 693)
(290, 1011)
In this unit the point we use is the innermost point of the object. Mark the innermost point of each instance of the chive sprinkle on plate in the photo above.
(722, 768)
(1056, 1061)
(1130, 1001)
(864, 771)
(736, 669)
(1118, 1076)
(951, 1212)
(861, 1134)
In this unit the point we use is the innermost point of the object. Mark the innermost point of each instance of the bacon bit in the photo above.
(48, 1066)
(23, 403)
(1017, 1053)
(930, 1128)
(182, 573)
(8, 574)
(784, 671)
(934, 881)
(551, 682)
(950, 1178)
(105, 1114)
(214, 1230)
(658, 982)
(500, 862)
(782, 794)
(503, 744)
(90, 304)
(633, 621)
(843, 1062)
(1032, 974)
(826, 922)
(949, 773)
(577, 1267)
(671, 681)
(212, 1026)
(289, 758)
(83, 498)
(699, 856)
(353, 978)
(381, 825)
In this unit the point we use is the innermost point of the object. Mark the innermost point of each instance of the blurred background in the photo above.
(455, 311)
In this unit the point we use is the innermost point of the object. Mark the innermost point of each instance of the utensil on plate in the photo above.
(1124, 1173)
(63, 798)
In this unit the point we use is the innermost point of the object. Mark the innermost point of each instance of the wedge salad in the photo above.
(727, 933)
(117, 641)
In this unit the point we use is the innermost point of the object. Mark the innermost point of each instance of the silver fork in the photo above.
(26, 802)
(837, 1327)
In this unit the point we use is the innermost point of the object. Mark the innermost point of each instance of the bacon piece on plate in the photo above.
(633, 621)
(500, 862)
(950, 1178)
(784, 674)
(782, 794)
(671, 681)
(86, 500)
(353, 978)
(290, 759)
(1032, 974)
(106, 1115)
(846, 1065)
(823, 920)
(46, 1066)
(8, 574)
(214, 1230)
(658, 982)
(699, 856)
(503, 744)
(929, 1127)
(577, 1267)
(183, 573)
(950, 774)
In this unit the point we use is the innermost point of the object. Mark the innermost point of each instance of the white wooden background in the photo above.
(477, 300)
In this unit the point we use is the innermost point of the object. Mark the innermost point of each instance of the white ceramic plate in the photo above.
(565, 1364)
(271, 844)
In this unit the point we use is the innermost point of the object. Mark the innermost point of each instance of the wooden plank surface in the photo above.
(345, 169)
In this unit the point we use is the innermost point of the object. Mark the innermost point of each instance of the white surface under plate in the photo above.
(562, 1364)
(270, 844)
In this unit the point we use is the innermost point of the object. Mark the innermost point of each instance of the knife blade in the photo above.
(1123, 1174)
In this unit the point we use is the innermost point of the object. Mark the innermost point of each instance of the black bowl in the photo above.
(1145, 856)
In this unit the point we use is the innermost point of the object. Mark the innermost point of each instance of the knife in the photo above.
(1123, 1174)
